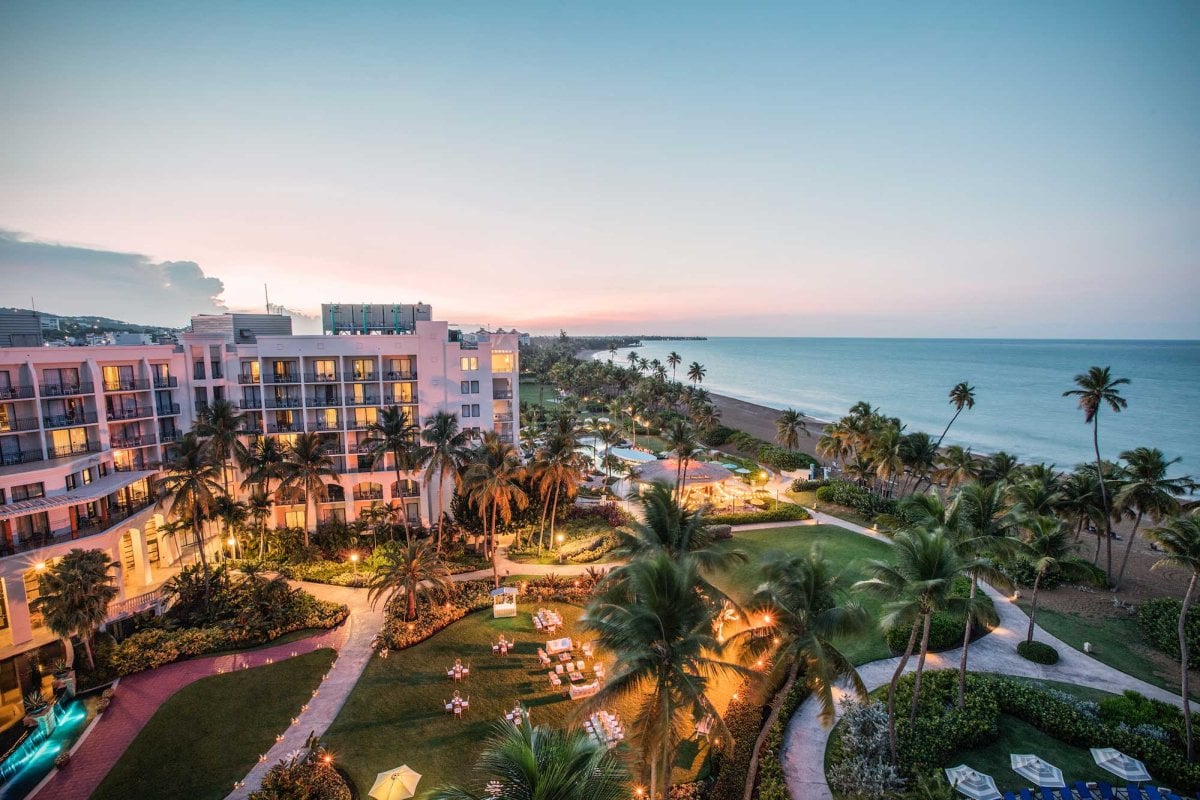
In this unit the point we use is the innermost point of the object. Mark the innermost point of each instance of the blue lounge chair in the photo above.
(1009, 796)
(1065, 793)
(1026, 794)
(1085, 793)
(1135, 792)
(1048, 793)
(1106, 791)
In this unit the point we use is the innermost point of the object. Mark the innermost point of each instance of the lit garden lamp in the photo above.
(561, 538)
(233, 546)
(354, 561)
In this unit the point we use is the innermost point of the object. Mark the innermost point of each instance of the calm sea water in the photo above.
(1018, 388)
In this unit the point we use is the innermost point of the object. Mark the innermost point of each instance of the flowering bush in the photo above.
(609, 512)
(782, 512)
(307, 774)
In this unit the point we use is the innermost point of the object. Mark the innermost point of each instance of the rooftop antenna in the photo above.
(267, 298)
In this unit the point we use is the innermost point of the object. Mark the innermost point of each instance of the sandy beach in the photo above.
(759, 421)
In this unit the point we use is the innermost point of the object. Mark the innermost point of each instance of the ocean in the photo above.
(1018, 383)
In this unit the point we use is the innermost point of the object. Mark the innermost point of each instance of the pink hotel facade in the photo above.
(84, 430)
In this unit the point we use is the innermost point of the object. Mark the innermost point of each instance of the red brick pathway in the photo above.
(139, 696)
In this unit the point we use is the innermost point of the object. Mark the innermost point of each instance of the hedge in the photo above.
(778, 458)
(782, 512)
(1022, 572)
(945, 628)
(844, 493)
(801, 485)
(1158, 620)
(1038, 652)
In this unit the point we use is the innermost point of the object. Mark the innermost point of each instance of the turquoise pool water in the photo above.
(34, 758)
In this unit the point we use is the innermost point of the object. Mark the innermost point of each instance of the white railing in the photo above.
(133, 605)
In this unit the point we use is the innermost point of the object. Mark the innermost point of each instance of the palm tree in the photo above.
(659, 629)
(1180, 540)
(674, 360)
(919, 455)
(555, 470)
(1052, 551)
(684, 445)
(788, 428)
(1081, 501)
(393, 433)
(73, 597)
(696, 373)
(415, 568)
(956, 465)
(306, 468)
(444, 452)
(1000, 466)
(1096, 389)
(961, 396)
(493, 486)
(798, 604)
(259, 508)
(667, 527)
(263, 463)
(231, 513)
(192, 479)
(632, 358)
(706, 416)
(612, 351)
(522, 762)
(1146, 490)
(914, 584)
(220, 425)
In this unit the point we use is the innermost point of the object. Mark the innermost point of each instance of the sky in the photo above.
(1016, 169)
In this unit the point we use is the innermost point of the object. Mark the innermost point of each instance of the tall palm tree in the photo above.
(556, 471)
(673, 361)
(393, 433)
(1051, 549)
(231, 513)
(1097, 388)
(192, 479)
(1180, 540)
(632, 358)
(444, 452)
(684, 445)
(305, 470)
(961, 396)
(667, 527)
(493, 486)
(914, 584)
(1147, 491)
(788, 428)
(259, 506)
(73, 597)
(956, 465)
(612, 351)
(798, 605)
(263, 463)
(414, 569)
(919, 456)
(696, 373)
(220, 426)
(659, 629)
(521, 762)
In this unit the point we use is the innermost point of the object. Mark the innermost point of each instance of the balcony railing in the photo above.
(166, 382)
(362, 377)
(508, 417)
(284, 402)
(325, 425)
(114, 414)
(21, 424)
(364, 401)
(358, 425)
(252, 426)
(137, 465)
(281, 377)
(20, 457)
(69, 420)
(320, 377)
(165, 410)
(369, 495)
(247, 404)
(65, 450)
(85, 528)
(287, 427)
(333, 448)
(323, 402)
(166, 437)
(15, 392)
(127, 385)
(245, 377)
(66, 389)
(126, 442)
(502, 394)
(410, 375)
(119, 609)
(406, 492)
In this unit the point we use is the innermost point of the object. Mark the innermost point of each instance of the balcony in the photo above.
(21, 424)
(358, 425)
(371, 494)
(166, 437)
(283, 402)
(129, 442)
(323, 402)
(320, 377)
(252, 426)
(362, 377)
(325, 425)
(248, 378)
(70, 420)
(16, 392)
(333, 448)
(502, 417)
(165, 382)
(66, 389)
(285, 427)
(139, 412)
(407, 492)
(20, 457)
(127, 385)
(502, 394)
(85, 527)
(165, 410)
(365, 401)
(66, 450)
(410, 375)
(281, 377)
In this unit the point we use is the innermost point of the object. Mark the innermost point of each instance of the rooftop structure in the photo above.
(364, 319)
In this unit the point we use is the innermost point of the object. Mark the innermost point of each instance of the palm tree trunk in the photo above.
(962, 659)
(1103, 497)
(403, 516)
(542, 529)
(1033, 607)
(1128, 546)
(912, 714)
(440, 516)
(891, 702)
(554, 513)
(87, 648)
(200, 546)
(1183, 665)
(776, 707)
(947, 430)
(411, 590)
(495, 551)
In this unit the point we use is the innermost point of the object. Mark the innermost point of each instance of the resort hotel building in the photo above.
(84, 432)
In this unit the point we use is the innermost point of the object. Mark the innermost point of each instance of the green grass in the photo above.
(221, 724)
(839, 545)
(1017, 736)
(286, 638)
(809, 499)
(529, 393)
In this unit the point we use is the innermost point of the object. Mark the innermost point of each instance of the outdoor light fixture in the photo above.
(40, 566)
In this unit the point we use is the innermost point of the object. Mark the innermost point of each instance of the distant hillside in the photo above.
(71, 327)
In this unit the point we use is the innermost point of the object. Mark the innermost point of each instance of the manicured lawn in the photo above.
(530, 393)
(809, 500)
(1017, 736)
(839, 545)
(210, 733)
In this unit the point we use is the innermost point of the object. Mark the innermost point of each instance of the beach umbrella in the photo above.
(974, 785)
(1035, 769)
(603, 419)
(395, 784)
(742, 471)
(1124, 767)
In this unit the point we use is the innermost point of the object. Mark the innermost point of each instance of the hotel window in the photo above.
(28, 491)
(470, 387)
(327, 419)
(502, 361)
(470, 410)
(282, 370)
(58, 380)
(469, 363)
(73, 481)
(198, 369)
(201, 398)
(250, 372)
(118, 378)
(5, 418)
(323, 370)
(364, 417)
(162, 372)
(218, 393)
(364, 369)
(294, 519)
(401, 393)
(5, 383)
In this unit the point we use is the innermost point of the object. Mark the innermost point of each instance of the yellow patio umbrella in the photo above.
(395, 784)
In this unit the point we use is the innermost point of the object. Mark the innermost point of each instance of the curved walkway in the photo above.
(803, 751)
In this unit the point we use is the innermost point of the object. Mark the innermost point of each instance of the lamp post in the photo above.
(233, 546)
(560, 544)
(354, 561)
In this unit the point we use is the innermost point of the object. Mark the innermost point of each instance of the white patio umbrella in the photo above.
(974, 785)
(395, 784)
(1125, 767)
(1041, 772)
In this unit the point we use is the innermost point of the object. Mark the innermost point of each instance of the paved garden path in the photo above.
(803, 752)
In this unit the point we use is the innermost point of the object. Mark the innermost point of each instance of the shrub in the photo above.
(799, 485)
(945, 628)
(861, 766)
(1038, 652)
(717, 435)
(941, 728)
(782, 512)
(778, 458)
(1158, 620)
(610, 513)
(721, 532)
(305, 776)
(1022, 572)
(844, 493)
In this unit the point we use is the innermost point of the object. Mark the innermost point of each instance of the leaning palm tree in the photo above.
(192, 479)
(788, 428)
(659, 629)
(414, 569)
(220, 426)
(1097, 388)
(798, 605)
(556, 469)
(914, 584)
(521, 762)
(696, 373)
(259, 506)
(1180, 540)
(1147, 491)
(1051, 550)
(443, 452)
(73, 597)
(393, 433)
(305, 471)
(673, 361)
(493, 486)
(955, 466)
(961, 396)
